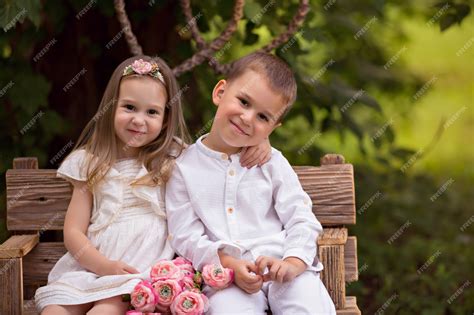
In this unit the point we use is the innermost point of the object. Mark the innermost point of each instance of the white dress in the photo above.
(134, 231)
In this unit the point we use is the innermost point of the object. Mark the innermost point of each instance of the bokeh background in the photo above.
(387, 84)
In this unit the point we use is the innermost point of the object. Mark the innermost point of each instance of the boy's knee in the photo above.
(305, 295)
(233, 300)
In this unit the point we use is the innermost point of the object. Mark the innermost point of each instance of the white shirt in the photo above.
(214, 203)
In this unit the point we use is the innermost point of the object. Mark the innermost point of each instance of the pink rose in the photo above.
(141, 67)
(134, 313)
(187, 282)
(166, 291)
(185, 265)
(143, 298)
(165, 269)
(217, 276)
(189, 302)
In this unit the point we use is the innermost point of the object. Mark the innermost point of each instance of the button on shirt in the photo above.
(213, 203)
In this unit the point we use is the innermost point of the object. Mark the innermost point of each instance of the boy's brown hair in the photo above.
(277, 72)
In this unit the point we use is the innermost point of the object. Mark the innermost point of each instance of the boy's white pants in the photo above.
(306, 294)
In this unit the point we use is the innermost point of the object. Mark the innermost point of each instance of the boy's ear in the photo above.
(276, 126)
(218, 92)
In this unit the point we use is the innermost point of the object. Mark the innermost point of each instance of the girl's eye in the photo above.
(153, 112)
(262, 117)
(243, 102)
(129, 107)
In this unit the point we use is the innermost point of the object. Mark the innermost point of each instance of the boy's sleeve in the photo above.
(294, 208)
(187, 231)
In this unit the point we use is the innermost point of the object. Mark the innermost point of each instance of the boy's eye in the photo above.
(129, 106)
(262, 117)
(243, 102)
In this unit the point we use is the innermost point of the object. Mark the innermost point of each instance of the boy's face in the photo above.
(248, 111)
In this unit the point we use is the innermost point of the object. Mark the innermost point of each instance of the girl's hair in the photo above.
(99, 140)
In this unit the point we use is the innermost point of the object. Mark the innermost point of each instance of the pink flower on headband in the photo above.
(144, 68)
(141, 67)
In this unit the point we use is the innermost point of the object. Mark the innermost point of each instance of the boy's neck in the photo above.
(214, 142)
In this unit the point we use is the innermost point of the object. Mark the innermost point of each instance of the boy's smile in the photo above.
(247, 113)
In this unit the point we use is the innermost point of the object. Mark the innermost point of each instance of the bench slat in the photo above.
(37, 199)
(350, 260)
(39, 262)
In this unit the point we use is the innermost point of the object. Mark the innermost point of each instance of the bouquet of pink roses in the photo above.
(175, 287)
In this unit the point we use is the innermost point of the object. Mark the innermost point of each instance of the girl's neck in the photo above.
(127, 153)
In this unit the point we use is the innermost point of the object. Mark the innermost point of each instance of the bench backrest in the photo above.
(37, 200)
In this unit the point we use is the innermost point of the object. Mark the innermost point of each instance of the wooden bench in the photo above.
(37, 201)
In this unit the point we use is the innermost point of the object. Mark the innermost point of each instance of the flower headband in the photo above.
(145, 68)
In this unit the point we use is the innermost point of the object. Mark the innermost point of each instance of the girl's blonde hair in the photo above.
(99, 140)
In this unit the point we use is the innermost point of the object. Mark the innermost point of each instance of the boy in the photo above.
(255, 221)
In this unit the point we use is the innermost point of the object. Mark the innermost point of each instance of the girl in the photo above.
(115, 226)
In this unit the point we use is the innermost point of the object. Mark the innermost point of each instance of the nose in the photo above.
(246, 116)
(138, 120)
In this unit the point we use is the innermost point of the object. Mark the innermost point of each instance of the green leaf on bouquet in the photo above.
(126, 298)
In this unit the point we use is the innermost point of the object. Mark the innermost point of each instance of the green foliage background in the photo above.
(385, 130)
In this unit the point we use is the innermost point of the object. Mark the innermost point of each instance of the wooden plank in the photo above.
(350, 308)
(18, 245)
(25, 163)
(350, 260)
(36, 200)
(331, 189)
(333, 236)
(38, 263)
(11, 289)
(332, 258)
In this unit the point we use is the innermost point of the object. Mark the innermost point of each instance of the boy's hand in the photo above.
(246, 278)
(245, 273)
(280, 270)
(256, 155)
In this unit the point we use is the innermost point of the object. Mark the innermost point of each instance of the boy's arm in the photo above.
(187, 231)
(294, 208)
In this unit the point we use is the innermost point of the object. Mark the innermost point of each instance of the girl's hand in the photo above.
(256, 155)
(116, 267)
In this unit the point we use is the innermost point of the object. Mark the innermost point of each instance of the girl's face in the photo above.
(139, 113)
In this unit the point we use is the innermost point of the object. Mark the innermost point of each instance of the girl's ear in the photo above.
(218, 92)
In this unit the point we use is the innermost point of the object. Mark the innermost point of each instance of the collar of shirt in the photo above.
(215, 154)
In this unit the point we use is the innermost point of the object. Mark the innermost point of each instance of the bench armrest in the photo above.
(17, 246)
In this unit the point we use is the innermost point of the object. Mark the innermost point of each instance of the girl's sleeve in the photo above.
(74, 166)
